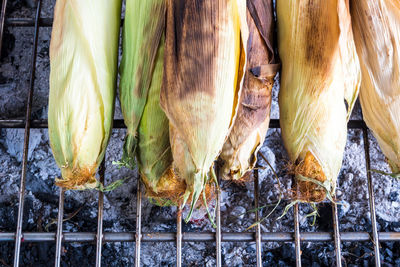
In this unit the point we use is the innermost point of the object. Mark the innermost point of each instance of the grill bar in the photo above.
(258, 226)
(336, 235)
(2, 18)
(59, 234)
(218, 236)
(119, 124)
(179, 238)
(99, 236)
(371, 198)
(138, 236)
(27, 22)
(18, 233)
(297, 244)
(110, 237)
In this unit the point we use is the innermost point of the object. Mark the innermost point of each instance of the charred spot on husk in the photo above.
(319, 47)
(192, 31)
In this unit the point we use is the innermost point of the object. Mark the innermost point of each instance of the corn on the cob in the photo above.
(83, 71)
(239, 153)
(376, 26)
(143, 30)
(148, 126)
(202, 77)
(153, 151)
(320, 70)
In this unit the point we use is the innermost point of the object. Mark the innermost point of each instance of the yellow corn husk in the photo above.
(320, 70)
(202, 81)
(239, 153)
(143, 29)
(376, 26)
(83, 72)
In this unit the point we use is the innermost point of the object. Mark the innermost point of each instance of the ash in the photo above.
(41, 201)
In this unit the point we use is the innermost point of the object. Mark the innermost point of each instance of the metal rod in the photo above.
(179, 238)
(99, 236)
(336, 235)
(138, 236)
(2, 17)
(59, 234)
(218, 236)
(371, 199)
(27, 22)
(119, 124)
(18, 233)
(297, 235)
(110, 237)
(258, 226)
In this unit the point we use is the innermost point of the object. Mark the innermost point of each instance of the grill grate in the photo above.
(138, 237)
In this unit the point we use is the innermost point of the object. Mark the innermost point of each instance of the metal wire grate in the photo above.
(138, 237)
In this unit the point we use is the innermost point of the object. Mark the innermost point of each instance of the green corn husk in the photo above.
(143, 30)
(203, 69)
(376, 26)
(320, 71)
(141, 79)
(83, 72)
(153, 152)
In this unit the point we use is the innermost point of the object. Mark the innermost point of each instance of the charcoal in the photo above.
(36, 185)
(8, 43)
(268, 258)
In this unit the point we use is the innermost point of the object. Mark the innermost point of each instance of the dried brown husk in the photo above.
(239, 154)
(376, 26)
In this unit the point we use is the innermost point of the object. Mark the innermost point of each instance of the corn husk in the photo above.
(202, 80)
(239, 153)
(83, 72)
(153, 153)
(376, 26)
(141, 79)
(143, 29)
(320, 71)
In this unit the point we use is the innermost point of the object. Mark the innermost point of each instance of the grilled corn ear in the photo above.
(147, 139)
(202, 79)
(83, 72)
(376, 26)
(153, 153)
(239, 153)
(143, 30)
(320, 70)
